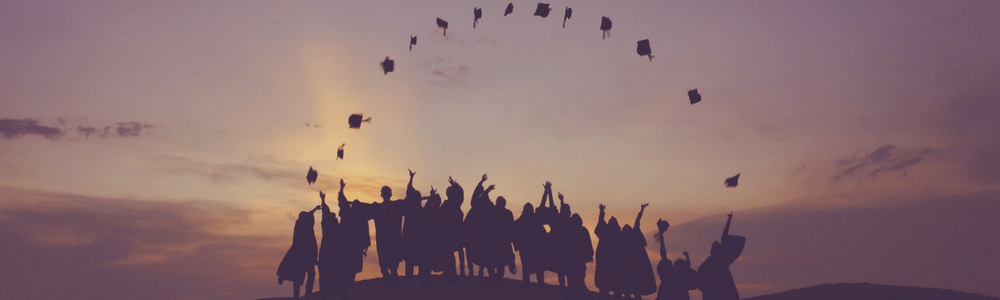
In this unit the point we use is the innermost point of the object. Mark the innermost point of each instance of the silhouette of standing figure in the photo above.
(640, 279)
(580, 252)
(330, 260)
(714, 279)
(480, 213)
(527, 240)
(388, 234)
(608, 274)
(299, 262)
(677, 278)
(499, 235)
(410, 207)
(452, 215)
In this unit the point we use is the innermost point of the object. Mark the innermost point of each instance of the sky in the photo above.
(159, 150)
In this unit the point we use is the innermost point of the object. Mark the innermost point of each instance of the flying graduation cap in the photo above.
(510, 9)
(606, 27)
(413, 41)
(311, 176)
(642, 47)
(567, 15)
(388, 65)
(478, 13)
(694, 96)
(731, 182)
(542, 10)
(355, 120)
(443, 24)
(340, 151)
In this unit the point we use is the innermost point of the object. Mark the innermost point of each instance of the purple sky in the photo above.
(162, 146)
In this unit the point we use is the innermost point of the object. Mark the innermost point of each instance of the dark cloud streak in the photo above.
(15, 128)
(887, 158)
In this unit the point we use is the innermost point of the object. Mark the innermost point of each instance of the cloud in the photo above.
(15, 128)
(943, 242)
(444, 73)
(57, 246)
(887, 158)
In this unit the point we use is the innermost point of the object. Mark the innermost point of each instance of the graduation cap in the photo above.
(388, 65)
(567, 15)
(694, 96)
(443, 24)
(311, 176)
(340, 151)
(478, 12)
(355, 120)
(542, 10)
(413, 41)
(732, 181)
(510, 9)
(642, 48)
(606, 27)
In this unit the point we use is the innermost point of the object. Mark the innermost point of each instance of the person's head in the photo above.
(613, 222)
(576, 220)
(716, 248)
(682, 263)
(627, 228)
(564, 210)
(434, 200)
(501, 202)
(527, 211)
(386, 193)
(455, 193)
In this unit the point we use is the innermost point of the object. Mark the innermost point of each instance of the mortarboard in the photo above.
(443, 24)
(543, 10)
(694, 96)
(340, 151)
(311, 176)
(388, 65)
(606, 27)
(355, 120)
(732, 181)
(478, 13)
(510, 9)
(642, 47)
(567, 15)
(413, 41)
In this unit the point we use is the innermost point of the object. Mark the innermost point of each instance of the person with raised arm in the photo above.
(299, 262)
(331, 248)
(480, 214)
(641, 279)
(388, 216)
(608, 273)
(451, 229)
(527, 242)
(714, 278)
(409, 208)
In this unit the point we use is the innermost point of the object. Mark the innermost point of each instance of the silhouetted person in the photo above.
(528, 235)
(714, 279)
(299, 262)
(331, 263)
(479, 216)
(608, 272)
(675, 278)
(580, 251)
(499, 236)
(561, 239)
(388, 233)
(451, 220)
(411, 242)
(428, 252)
(639, 271)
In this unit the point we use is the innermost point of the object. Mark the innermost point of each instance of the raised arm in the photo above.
(322, 201)
(546, 193)
(639, 216)
(341, 199)
(479, 188)
(600, 218)
(725, 232)
(409, 186)
(662, 226)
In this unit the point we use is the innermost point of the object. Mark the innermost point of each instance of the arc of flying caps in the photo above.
(694, 96)
(478, 14)
(543, 10)
(731, 182)
(567, 15)
(355, 120)
(340, 151)
(642, 47)
(606, 27)
(510, 9)
(413, 41)
(443, 24)
(311, 175)
(388, 65)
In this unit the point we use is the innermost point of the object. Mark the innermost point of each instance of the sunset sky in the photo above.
(158, 150)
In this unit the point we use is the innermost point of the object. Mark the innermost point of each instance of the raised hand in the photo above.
(560, 197)
(322, 196)
(643, 206)
(484, 178)
(451, 181)
(342, 184)
(490, 188)
(433, 191)
(547, 185)
(412, 173)
(601, 207)
(730, 215)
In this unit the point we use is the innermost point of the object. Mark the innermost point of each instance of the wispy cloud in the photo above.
(887, 158)
(444, 72)
(15, 128)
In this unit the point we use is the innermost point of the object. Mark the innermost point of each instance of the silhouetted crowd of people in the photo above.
(425, 233)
